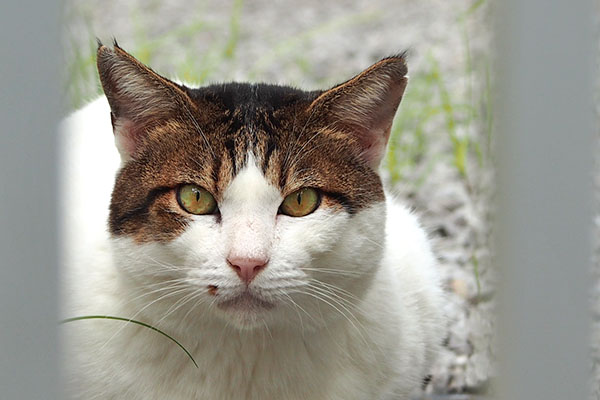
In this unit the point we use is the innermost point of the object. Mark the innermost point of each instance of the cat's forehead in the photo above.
(245, 118)
(238, 119)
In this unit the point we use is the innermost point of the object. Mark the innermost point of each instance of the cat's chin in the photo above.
(246, 310)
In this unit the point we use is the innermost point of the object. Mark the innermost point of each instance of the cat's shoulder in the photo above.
(403, 223)
(88, 157)
(408, 246)
(88, 164)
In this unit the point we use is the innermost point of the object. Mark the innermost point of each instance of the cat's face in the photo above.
(255, 204)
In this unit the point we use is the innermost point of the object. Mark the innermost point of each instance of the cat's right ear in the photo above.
(138, 97)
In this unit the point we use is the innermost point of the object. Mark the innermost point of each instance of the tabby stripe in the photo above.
(138, 211)
(230, 146)
(271, 145)
(343, 200)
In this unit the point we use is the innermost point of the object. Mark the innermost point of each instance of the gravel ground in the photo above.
(316, 43)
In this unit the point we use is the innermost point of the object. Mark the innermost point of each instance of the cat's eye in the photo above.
(300, 203)
(196, 200)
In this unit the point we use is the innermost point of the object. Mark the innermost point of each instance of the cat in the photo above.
(249, 223)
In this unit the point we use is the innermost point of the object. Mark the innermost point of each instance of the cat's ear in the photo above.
(365, 106)
(138, 97)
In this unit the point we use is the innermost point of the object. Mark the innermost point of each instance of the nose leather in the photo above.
(247, 268)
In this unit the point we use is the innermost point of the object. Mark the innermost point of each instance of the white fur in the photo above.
(369, 331)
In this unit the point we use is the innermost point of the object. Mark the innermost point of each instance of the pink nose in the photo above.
(247, 268)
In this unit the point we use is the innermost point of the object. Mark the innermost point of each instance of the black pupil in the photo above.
(299, 198)
(197, 192)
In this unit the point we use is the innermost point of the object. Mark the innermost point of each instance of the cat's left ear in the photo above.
(365, 106)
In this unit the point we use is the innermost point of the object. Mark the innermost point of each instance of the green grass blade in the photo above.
(471, 10)
(461, 145)
(84, 317)
(234, 28)
(476, 272)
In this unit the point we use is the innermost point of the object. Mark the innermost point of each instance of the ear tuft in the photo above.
(365, 105)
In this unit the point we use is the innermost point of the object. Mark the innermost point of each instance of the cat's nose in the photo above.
(247, 268)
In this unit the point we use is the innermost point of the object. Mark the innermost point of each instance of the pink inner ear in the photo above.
(127, 137)
(368, 110)
(373, 144)
(373, 136)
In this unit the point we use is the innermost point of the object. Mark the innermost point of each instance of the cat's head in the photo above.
(254, 203)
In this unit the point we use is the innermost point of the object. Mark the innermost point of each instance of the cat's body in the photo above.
(340, 303)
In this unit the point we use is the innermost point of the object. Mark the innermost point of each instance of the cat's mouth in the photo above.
(246, 301)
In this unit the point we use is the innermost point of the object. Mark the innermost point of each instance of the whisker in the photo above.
(199, 300)
(299, 307)
(267, 328)
(177, 305)
(338, 289)
(374, 242)
(175, 285)
(172, 293)
(329, 301)
(333, 271)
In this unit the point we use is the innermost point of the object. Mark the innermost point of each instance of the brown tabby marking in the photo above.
(203, 136)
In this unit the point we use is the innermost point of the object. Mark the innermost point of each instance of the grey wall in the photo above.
(29, 108)
(544, 137)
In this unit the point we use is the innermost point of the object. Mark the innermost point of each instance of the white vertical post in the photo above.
(29, 109)
(544, 66)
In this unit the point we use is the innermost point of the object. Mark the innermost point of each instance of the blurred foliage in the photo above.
(459, 114)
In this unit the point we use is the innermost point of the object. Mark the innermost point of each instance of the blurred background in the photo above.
(439, 158)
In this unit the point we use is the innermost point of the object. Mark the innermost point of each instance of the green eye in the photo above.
(300, 203)
(196, 200)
